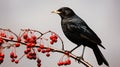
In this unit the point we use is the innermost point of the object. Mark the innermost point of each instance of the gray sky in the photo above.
(102, 16)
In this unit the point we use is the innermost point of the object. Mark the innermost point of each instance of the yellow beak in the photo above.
(55, 11)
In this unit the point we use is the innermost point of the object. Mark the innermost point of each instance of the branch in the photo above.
(34, 39)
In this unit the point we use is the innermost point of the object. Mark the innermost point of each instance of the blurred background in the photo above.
(102, 16)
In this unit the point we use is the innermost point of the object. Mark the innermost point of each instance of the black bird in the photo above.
(77, 31)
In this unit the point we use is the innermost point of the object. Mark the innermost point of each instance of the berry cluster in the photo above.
(42, 50)
(2, 34)
(13, 57)
(38, 62)
(31, 55)
(31, 39)
(53, 38)
(1, 57)
(33, 43)
(66, 62)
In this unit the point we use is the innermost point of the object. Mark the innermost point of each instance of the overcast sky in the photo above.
(102, 16)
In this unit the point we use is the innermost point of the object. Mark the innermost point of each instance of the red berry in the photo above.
(29, 45)
(2, 55)
(32, 45)
(60, 63)
(34, 57)
(33, 37)
(41, 46)
(39, 64)
(1, 60)
(51, 37)
(16, 61)
(29, 56)
(43, 51)
(48, 50)
(19, 39)
(54, 36)
(31, 40)
(11, 37)
(38, 49)
(17, 44)
(3, 34)
(47, 54)
(68, 61)
(34, 54)
(28, 49)
(12, 60)
(15, 56)
(25, 40)
(51, 42)
(25, 35)
(54, 40)
(12, 54)
(1, 40)
(26, 52)
(38, 60)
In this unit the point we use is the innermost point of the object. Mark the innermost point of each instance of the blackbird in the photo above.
(78, 32)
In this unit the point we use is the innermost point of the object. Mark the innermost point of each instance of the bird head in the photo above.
(64, 12)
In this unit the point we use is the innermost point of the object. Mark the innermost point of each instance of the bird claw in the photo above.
(78, 58)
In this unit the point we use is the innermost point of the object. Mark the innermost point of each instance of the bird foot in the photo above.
(78, 58)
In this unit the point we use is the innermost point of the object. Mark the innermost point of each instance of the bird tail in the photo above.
(99, 56)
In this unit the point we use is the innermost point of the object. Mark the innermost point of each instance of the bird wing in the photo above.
(84, 31)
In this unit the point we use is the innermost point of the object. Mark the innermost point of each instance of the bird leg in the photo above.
(74, 49)
(81, 57)
(83, 51)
